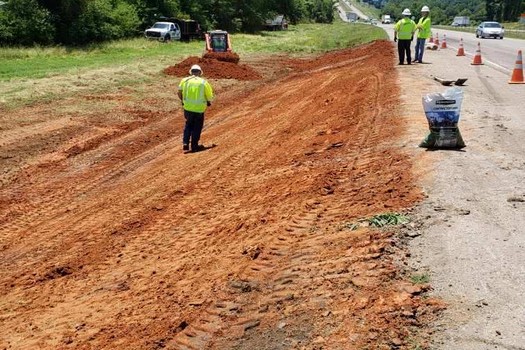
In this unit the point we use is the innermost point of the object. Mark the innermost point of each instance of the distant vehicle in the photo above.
(386, 19)
(490, 30)
(189, 29)
(352, 16)
(163, 31)
(278, 23)
(461, 21)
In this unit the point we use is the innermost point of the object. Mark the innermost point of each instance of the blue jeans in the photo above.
(420, 48)
(193, 128)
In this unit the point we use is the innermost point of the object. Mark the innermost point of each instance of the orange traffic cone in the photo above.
(431, 38)
(477, 58)
(436, 41)
(461, 50)
(517, 73)
(444, 43)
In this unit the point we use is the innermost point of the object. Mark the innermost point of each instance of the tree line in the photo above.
(504, 10)
(79, 22)
(444, 11)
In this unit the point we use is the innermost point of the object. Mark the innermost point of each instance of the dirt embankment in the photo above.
(127, 243)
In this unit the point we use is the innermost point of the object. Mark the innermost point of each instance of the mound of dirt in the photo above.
(214, 69)
(223, 56)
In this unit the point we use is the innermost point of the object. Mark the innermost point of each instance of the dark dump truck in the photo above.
(189, 29)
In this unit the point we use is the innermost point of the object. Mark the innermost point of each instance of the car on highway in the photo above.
(490, 30)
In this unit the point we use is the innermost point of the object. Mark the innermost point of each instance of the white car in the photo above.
(490, 30)
(163, 31)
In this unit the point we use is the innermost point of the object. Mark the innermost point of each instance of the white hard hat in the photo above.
(406, 12)
(425, 9)
(195, 67)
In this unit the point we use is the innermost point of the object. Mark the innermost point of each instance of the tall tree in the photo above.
(64, 13)
(25, 22)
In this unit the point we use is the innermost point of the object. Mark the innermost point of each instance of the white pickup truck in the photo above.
(163, 31)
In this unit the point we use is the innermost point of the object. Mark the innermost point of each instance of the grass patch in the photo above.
(39, 62)
(388, 219)
(380, 220)
(423, 278)
(309, 38)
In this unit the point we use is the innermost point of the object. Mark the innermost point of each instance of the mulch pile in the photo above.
(214, 69)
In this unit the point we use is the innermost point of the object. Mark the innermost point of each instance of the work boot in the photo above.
(185, 147)
(198, 148)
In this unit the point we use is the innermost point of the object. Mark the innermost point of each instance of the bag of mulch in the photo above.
(442, 111)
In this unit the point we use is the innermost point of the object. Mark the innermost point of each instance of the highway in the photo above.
(501, 54)
(352, 9)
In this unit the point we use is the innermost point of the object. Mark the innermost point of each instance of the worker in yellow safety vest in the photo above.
(423, 27)
(404, 31)
(196, 95)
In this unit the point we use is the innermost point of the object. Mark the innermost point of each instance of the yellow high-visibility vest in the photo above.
(405, 28)
(196, 92)
(424, 27)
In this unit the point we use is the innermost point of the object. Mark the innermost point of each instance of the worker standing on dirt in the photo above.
(196, 95)
(423, 27)
(404, 31)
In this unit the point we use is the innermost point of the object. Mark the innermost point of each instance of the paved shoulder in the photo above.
(473, 237)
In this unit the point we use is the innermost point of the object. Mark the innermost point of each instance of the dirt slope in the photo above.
(112, 238)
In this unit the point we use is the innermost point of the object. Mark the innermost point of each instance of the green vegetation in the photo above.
(40, 62)
(380, 220)
(388, 219)
(504, 10)
(80, 22)
(423, 278)
(46, 73)
(441, 12)
(309, 38)
(514, 25)
(444, 11)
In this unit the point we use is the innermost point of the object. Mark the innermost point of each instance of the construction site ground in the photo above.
(112, 238)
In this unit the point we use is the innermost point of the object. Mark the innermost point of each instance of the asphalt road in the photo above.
(356, 10)
(501, 54)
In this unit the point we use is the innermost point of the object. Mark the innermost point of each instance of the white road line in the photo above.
(485, 61)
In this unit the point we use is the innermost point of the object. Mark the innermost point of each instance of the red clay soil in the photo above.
(223, 56)
(124, 242)
(214, 69)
